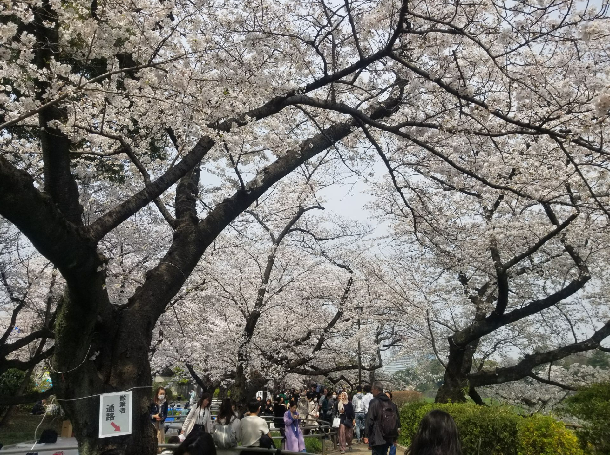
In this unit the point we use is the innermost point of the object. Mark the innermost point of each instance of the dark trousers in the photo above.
(381, 450)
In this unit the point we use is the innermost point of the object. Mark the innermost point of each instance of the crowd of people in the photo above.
(368, 413)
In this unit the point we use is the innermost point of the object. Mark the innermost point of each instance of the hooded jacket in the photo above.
(373, 420)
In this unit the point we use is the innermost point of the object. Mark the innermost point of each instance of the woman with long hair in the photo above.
(437, 435)
(347, 420)
(226, 416)
(268, 409)
(158, 413)
(199, 417)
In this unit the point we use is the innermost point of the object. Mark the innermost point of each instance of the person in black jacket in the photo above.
(393, 447)
(279, 409)
(380, 418)
(158, 413)
(268, 409)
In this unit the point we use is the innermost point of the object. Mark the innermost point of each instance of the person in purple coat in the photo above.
(294, 435)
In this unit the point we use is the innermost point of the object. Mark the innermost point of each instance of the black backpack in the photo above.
(388, 421)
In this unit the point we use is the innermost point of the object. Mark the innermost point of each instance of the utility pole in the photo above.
(359, 309)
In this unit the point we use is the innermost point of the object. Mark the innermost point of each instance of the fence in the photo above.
(316, 428)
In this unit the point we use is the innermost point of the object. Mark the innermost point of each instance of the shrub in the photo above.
(495, 430)
(11, 380)
(592, 406)
(543, 435)
(313, 445)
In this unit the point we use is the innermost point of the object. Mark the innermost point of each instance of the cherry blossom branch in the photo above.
(81, 85)
(540, 243)
(551, 382)
(115, 216)
(384, 158)
(495, 112)
(125, 147)
(525, 367)
(7, 364)
(6, 349)
(438, 357)
(353, 26)
(582, 177)
(16, 310)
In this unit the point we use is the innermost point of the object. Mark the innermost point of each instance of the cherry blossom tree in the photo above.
(500, 275)
(280, 299)
(108, 109)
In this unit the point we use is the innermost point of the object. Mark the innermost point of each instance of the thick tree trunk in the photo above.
(244, 390)
(455, 386)
(122, 365)
(100, 349)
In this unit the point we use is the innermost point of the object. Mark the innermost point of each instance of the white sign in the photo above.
(115, 414)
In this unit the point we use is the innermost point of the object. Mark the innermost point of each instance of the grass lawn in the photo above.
(22, 425)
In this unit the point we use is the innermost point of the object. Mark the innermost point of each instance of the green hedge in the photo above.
(592, 405)
(495, 430)
(313, 445)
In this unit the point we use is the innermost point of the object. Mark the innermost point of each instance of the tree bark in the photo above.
(455, 384)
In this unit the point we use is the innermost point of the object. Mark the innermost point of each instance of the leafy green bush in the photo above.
(313, 445)
(543, 435)
(11, 380)
(592, 406)
(489, 430)
(495, 430)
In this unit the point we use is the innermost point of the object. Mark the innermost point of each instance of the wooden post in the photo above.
(66, 429)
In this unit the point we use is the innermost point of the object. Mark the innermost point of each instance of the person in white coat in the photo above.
(199, 417)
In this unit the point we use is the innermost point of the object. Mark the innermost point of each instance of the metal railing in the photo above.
(315, 428)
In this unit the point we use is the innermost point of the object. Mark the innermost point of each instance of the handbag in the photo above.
(336, 422)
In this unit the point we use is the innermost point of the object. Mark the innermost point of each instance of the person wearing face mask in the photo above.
(158, 413)
(331, 400)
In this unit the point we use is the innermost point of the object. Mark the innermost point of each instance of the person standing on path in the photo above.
(358, 404)
(226, 416)
(347, 421)
(368, 396)
(199, 417)
(158, 413)
(381, 421)
(393, 446)
(279, 409)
